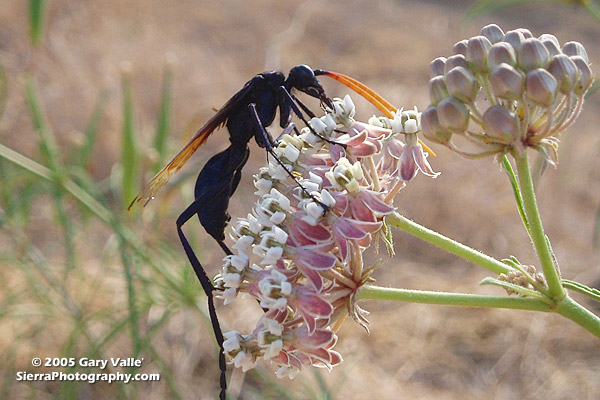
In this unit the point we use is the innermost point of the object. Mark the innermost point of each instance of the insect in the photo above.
(245, 115)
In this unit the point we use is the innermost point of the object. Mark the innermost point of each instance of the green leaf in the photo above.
(516, 288)
(592, 293)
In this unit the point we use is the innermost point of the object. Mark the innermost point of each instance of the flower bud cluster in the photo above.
(506, 91)
(299, 252)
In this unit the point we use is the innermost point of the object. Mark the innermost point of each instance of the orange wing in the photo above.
(218, 120)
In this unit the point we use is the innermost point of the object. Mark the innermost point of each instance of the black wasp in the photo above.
(245, 115)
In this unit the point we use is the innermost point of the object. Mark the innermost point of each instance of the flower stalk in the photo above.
(538, 237)
(450, 245)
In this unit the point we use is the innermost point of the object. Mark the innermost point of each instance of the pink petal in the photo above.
(312, 275)
(369, 227)
(422, 162)
(319, 338)
(315, 259)
(337, 152)
(341, 202)
(318, 233)
(408, 166)
(348, 230)
(395, 148)
(360, 211)
(311, 323)
(353, 139)
(296, 238)
(315, 305)
(336, 357)
(373, 131)
(372, 201)
(364, 149)
(366, 242)
(342, 245)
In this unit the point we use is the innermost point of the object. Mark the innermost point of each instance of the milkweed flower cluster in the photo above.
(505, 92)
(299, 253)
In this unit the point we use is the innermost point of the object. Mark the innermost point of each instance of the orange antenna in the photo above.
(373, 97)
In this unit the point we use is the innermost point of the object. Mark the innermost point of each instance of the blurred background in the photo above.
(96, 95)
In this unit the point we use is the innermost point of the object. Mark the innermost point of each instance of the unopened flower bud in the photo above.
(526, 32)
(575, 49)
(432, 129)
(437, 90)
(453, 115)
(460, 47)
(514, 38)
(564, 70)
(436, 67)
(457, 60)
(493, 32)
(507, 82)
(541, 87)
(501, 124)
(585, 75)
(501, 52)
(551, 43)
(533, 54)
(462, 84)
(477, 52)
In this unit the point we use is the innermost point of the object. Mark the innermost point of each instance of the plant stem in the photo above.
(574, 311)
(538, 237)
(454, 299)
(447, 244)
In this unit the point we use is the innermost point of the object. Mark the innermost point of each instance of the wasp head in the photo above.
(303, 78)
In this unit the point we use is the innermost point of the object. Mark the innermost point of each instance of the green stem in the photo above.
(453, 299)
(538, 237)
(447, 244)
(574, 311)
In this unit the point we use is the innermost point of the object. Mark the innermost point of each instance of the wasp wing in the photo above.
(218, 120)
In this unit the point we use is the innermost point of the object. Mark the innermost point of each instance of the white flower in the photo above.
(237, 261)
(273, 349)
(232, 341)
(279, 172)
(242, 244)
(344, 175)
(228, 295)
(253, 224)
(232, 280)
(244, 360)
(263, 185)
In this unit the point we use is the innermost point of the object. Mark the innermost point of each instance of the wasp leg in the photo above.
(216, 183)
(208, 290)
(262, 131)
(291, 100)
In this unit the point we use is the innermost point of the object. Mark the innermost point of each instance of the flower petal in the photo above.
(348, 230)
(315, 259)
(374, 203)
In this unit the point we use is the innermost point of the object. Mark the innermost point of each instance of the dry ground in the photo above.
(413, 351)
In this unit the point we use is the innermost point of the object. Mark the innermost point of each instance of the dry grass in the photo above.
(414, 351)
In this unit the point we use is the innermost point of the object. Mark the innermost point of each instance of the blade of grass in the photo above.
(36, 20)
(129, 148)
(163, 121)
(51, 153)
(3, 89)
(91, 129)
